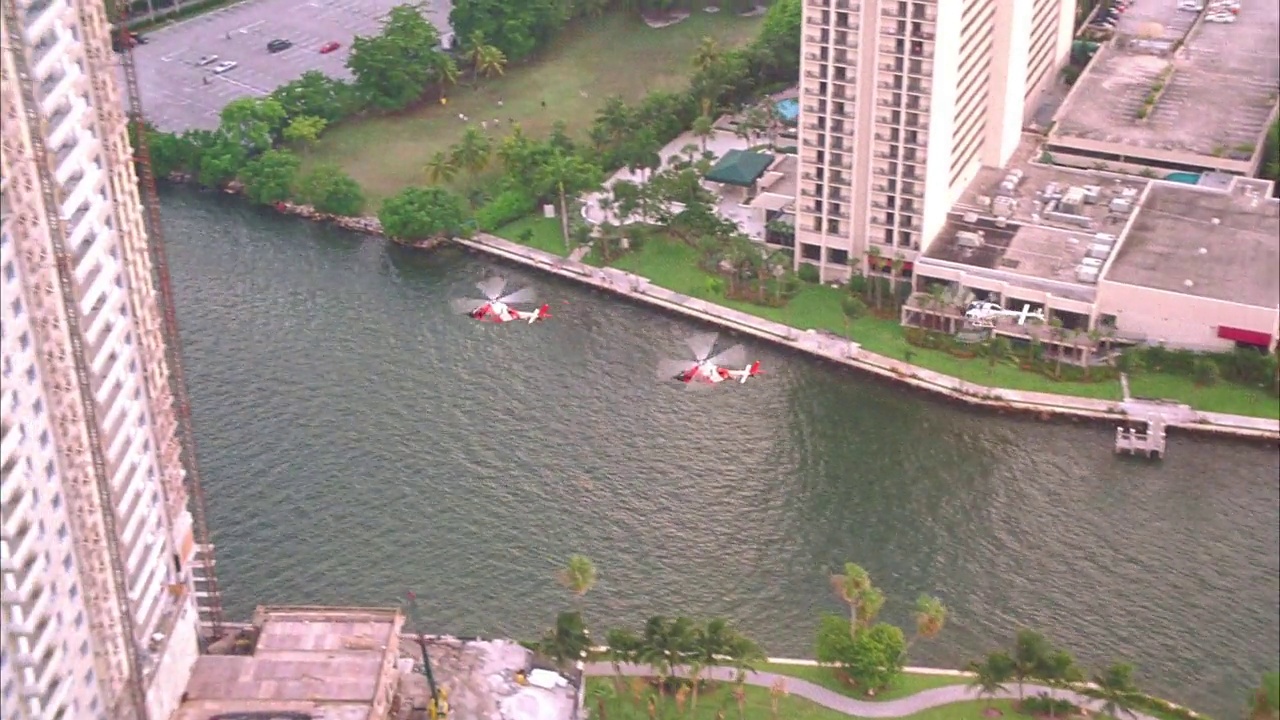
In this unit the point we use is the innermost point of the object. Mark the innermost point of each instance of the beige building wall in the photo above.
(63, 630)
(901, 102)
(1180, 320)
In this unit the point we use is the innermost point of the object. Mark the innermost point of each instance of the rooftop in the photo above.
(339, 662)
(1220, 88)
(1220, 245)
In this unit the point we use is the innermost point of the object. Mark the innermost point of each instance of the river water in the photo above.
(357, 440)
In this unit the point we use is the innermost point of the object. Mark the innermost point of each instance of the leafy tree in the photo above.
(441, 168)
(990, 675)
(169, 153)
(567, 174)
(329, 189)
(777, 47)
(220, 160)
(870, 657)
(418, 213)
(930, 616)
(707, 54)
(703, 129)
(855, 590)
(315, 94)
(269, 178)
(1115, 686)
(392, 69)
(252, 123)
(518, 29)
(578, 576)
(304, 129)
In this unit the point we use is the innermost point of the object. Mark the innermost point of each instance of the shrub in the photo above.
(330, 190)
(1206, 372)
(808, 273)
(853, 307)
(506, 207)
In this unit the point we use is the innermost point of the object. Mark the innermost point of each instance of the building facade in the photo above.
(99, 612)
(901, 102)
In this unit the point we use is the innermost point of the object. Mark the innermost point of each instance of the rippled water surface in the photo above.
(358, 440)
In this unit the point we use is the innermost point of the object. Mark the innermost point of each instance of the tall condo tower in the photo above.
(901, 102)
(99, 602)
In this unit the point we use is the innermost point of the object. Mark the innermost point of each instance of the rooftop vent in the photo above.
(1188, 283)
(1202, 251)
(1087, 274)
(967, 239)
(1216, 221)
(970, 218)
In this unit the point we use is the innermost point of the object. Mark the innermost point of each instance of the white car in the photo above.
(1220, 18)
(206, 60)
(227, 66)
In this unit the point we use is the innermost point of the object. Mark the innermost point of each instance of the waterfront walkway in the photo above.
(900, 707)
(837, 349)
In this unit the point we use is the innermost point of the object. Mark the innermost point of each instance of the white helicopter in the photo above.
(703, 370)
(980, 313)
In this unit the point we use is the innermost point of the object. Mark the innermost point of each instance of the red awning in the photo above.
(1248, 337)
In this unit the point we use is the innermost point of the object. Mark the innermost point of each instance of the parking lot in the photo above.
(1155, 20)
(179, 94)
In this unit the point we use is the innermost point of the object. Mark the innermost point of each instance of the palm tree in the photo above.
(931, 616)
(666, 645)
(1059, 670)
(472, 151)
(990, 675)
(1030, 651)
(864, 599)
(703, 129)
(445, 71)
(615, 119)
(710, 643)
(1115, 684)
(579, 576)
(895, 272)
(441, 168)
(475, 45)
(623, 647)
(565, 173)
(567, 642)
(491, 61)
(873, 253)
(707, 54)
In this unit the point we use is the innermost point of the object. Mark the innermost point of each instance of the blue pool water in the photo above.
(788, 109)
(1189, 178)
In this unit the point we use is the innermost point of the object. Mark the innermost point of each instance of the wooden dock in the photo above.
(1143, 438)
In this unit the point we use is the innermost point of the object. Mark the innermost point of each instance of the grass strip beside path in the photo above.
(908, 683)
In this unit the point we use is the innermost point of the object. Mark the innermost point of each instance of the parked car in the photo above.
(329, 47)
(279, 45)
(223, 67)
(206, 60)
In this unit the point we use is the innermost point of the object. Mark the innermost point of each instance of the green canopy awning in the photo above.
(739, 167)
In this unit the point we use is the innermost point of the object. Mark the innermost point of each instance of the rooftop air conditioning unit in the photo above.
(1091, 193)
(967, 239)
(1094, 263)
(1119, 205)
(970, 218)
(1099, 251)
(1086, 274)
(1105, 239)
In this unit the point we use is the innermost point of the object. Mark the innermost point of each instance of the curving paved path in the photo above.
(901, 707)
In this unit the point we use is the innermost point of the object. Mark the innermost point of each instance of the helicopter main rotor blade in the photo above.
(466, 306)
(670, 369)
(702, 345)
(492, 287)
(733, 358)
(523, 295)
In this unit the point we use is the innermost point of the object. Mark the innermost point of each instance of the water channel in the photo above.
(358, 440)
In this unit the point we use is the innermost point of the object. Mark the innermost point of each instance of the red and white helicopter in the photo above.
(497, 308)
(706, 369)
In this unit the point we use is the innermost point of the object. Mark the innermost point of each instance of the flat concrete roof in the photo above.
(332, 661)
(1215, 106)
(1238, 230)
(777, 188)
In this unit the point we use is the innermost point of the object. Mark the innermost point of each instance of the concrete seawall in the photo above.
(844, 352)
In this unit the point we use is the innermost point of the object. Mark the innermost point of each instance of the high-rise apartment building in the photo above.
(99, 613)
(901, 101)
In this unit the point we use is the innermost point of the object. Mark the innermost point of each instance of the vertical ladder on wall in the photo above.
(208, 600)
(66, 279)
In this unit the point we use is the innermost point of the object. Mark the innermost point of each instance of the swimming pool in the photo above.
(1189, 178)
(788, 110)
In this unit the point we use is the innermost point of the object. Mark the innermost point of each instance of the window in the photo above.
(10, 271)
(74, 592)
(84, 652)
(49, 470)
(17, 307)
(810, 252)
(79, 619)
(38, 407)
(44, 438)
(837, 256)
(31, 373)
(56, 502)
(62, 534)
(25, 340)
(67, 563)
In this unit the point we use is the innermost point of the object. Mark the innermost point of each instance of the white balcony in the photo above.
(16, 509)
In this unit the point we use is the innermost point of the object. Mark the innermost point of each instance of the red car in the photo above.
(329, 47)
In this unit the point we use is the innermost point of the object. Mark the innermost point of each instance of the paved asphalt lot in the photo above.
(178, 95)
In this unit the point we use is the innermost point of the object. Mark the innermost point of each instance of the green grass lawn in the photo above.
(614, 55)
(547, 234)
(674, 265)
(907, 684)
(717, 700)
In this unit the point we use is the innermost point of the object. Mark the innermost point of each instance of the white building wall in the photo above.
(71, 107)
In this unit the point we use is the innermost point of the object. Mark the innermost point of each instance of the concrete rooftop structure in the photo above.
(1220, 91)
(1218, 245)
(335, 663)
